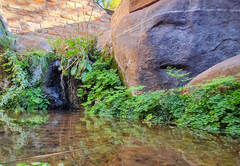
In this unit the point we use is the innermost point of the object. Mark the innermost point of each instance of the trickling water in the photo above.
(53, 88)
(74, 140)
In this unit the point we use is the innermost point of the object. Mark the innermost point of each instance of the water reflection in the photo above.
(72, 139)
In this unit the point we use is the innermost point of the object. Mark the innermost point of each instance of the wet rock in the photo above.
(189, 35)
(73, 85)
(53, 89)
(230, 67)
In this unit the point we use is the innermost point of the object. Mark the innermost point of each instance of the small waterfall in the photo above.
(53, 88)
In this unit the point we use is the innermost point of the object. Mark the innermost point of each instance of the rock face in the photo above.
(4, 81)
(189, 35)
(121, 11)
(230, 67)
(139, 4)
(27, 43)
(104, 40)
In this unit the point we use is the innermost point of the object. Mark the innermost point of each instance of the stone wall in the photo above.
(52, 18)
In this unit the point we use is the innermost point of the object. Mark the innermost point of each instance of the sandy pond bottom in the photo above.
(73, 139)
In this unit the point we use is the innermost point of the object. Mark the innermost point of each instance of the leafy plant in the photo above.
(176, 74)
(107, 96)
(79, 55)
(213, 106)
(24, 93)
(6, 39)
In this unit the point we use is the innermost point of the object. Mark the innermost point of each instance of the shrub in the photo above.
(213, 106)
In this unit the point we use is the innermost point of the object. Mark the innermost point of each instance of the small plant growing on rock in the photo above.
(176, 74)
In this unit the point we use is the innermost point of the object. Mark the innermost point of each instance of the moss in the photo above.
(114, 65)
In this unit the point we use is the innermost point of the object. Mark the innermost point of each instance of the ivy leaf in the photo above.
(21, 164)
(37, 100)
(71, 43)
(74, 71)
(89, 67)
(81, 64)
(83, 76)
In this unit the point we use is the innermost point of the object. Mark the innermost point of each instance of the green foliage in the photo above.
(35, 164)
(107, 97)
(213, 106)
(77, 56)
(24, 94)
(17, 74)
(176, 73)
(6, 39)
(28, 99)
(109, 4)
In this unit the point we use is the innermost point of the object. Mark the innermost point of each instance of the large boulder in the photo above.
(230, 67)
(188, 35)
(139, 4)
(121, 11)
(127, 6)
(104, 40)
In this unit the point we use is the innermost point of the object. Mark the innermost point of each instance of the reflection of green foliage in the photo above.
(15, 121)
(12, 123)
(36, 164)
(191, 142)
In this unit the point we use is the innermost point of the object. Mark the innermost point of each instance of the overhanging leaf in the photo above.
(74, 71)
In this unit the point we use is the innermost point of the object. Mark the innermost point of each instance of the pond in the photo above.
(73, 139)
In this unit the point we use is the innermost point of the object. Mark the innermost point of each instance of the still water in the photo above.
(73, 139)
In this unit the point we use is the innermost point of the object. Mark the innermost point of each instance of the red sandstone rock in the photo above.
(229, 67)
(139, 4)
(189, 36)
(121, 11)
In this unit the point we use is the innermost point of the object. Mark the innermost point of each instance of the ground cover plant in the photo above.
(213, 106)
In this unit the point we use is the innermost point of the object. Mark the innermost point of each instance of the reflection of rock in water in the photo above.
(53, 88)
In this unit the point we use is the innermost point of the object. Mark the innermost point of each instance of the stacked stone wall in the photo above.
(52, 18)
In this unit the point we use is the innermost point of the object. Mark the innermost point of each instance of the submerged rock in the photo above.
(188, 35)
